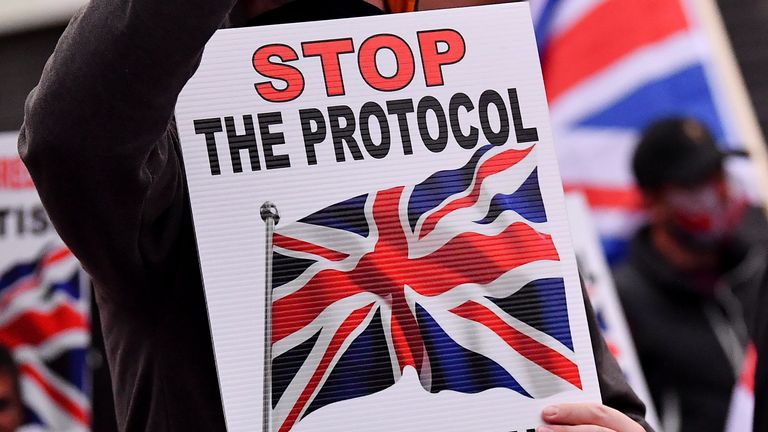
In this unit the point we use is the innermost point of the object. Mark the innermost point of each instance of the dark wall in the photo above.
(22, 58)
(747, 25)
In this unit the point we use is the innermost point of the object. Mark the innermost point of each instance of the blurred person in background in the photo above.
(102, 148)
(691, 274)
(11, 411)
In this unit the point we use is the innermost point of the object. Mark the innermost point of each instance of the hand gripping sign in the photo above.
(418, 268)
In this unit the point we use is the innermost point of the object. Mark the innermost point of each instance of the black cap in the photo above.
(676, 151)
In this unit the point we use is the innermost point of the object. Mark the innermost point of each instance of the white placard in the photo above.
(424, 275)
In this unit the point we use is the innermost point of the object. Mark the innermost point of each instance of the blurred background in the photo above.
(611, 67)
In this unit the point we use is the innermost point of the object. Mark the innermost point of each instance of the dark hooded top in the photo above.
(691, 330)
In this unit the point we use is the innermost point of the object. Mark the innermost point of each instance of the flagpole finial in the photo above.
(269, 211)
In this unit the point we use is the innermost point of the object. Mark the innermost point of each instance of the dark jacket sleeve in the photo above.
(97, 138)
(613, 386)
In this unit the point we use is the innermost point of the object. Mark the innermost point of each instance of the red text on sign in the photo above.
(437, 49)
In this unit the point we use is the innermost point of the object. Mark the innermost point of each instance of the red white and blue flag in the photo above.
(452, 277)
(611, 67)
(44, 306)
(44, 323)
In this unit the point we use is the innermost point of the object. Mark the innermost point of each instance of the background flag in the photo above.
(611, 67)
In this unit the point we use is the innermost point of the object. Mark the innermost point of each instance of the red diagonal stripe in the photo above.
(349, 325)
(302, 246)
(294, 311)
(494, 165)
(528, 347)
(32, 281)
(56, 255)
(35, 327)
(480, 259)
(611, 31)
(68, 405)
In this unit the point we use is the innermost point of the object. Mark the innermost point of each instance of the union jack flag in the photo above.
(456, 277)
(611, 67)
(44, 323)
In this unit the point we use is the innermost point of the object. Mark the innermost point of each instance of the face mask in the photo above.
(705, 217)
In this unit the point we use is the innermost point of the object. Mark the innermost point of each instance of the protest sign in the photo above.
(422, 272)
(598, 280)
(44, 305)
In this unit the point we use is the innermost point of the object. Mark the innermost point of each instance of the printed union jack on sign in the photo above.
(456, 277)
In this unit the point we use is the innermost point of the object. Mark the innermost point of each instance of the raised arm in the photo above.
(96, 136)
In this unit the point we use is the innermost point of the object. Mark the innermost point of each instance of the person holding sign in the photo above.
(102, 148)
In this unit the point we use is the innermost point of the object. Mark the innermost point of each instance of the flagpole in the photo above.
(271, 217)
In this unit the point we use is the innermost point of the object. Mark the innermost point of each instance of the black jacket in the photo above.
(690, 343)
(100, 144)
